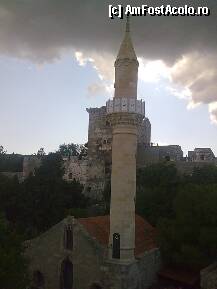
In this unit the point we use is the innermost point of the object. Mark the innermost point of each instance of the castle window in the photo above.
(38, 280)
(68, 237)
(116, 246)
(70, 176)
(107, 170)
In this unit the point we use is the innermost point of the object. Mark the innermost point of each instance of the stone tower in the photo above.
(125, 113)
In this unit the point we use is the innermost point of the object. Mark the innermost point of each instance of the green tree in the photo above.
(67, 150)
(13, 265)
(191, 236)
(2, 151)
(156, 189)
(11, 163)
(41, 152)
(41, 200)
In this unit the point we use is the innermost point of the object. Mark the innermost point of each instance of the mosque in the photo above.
(118, 251)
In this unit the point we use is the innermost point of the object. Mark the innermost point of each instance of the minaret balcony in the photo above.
(125, 104)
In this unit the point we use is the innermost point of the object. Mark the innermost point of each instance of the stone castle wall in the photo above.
(76, 169)
(99, 149)
(30, 164)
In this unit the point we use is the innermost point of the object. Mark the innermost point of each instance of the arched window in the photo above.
(66, 276)
(116, 246)
(68, 237)
(38, 280)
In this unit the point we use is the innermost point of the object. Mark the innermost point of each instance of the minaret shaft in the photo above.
(123, 186)
(126, 75)
(125, 113)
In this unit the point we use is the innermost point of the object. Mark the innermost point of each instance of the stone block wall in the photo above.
(46, 254)
(30, 164)
(140, 274)
(76, 169)
(100, 148)
(208, 277)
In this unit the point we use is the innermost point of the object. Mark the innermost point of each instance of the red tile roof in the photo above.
(184, 276)
(98, 228)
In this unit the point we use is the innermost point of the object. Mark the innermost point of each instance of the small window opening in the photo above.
(70, 176)
(68, 237)
(116, 246)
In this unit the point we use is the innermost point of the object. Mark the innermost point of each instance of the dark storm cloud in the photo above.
(42, 29)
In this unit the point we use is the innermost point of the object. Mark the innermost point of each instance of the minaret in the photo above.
(125, 113)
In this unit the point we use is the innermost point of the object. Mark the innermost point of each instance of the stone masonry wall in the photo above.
(99, 149)
(140, 274)
(208, 277)
(76, 169)
(46, 254)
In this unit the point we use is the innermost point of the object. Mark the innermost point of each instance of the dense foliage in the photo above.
(67, 150)
(13, 266)
(11, 162)
(30, 208)
(41, 200)
(184, 210)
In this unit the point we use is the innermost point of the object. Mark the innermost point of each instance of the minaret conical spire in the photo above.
(126, 50)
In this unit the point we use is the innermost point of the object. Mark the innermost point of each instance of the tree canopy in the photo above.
(184, 210)
(41, 200)
(11, 162)
(13, 265)
(67, 150)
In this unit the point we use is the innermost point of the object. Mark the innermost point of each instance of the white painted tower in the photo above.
(125, 113)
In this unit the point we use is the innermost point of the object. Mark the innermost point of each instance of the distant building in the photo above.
(201, 155)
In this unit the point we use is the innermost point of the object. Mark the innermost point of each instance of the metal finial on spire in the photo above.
(128, 23)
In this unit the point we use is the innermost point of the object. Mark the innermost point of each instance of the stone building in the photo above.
(201, 155)
(73, 254)
(154, 154)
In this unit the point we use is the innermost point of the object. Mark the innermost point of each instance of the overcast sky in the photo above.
(56, 59)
